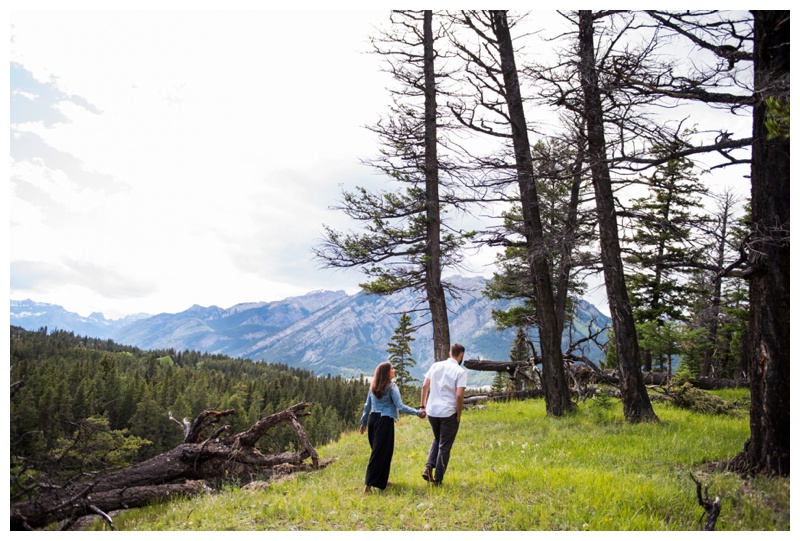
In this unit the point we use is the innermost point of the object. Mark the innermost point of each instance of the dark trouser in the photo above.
(380, 432)
(444, 434)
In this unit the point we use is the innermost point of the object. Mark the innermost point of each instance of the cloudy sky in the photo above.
(165, 158)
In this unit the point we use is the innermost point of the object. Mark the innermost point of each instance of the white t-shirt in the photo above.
(446, 377)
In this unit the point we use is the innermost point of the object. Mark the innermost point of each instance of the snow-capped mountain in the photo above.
(35, 315)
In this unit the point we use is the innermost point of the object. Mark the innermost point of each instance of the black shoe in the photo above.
(426, 474)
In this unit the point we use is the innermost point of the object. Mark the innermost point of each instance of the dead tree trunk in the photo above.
(181, 470)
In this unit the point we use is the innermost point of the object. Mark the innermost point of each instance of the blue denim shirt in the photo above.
(389, 405)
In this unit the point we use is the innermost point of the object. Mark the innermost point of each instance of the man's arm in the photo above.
(423, 399)
(459, 402)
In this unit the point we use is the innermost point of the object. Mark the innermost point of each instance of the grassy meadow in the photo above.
(512, 468)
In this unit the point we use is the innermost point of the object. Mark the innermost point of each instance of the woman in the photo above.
(381, 410)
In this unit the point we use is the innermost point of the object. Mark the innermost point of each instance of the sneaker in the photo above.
(427, 475)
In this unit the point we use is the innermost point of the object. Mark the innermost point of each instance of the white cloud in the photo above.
(30, 96)
(194, 154)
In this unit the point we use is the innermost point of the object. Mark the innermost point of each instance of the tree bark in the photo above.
(636, 403)
(158, 477)
(433, 250)
(767, 450)
(554, 380)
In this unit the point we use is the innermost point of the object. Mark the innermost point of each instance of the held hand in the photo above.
(362, 429)
(422, 414)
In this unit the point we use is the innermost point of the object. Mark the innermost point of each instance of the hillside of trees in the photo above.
(80, 404)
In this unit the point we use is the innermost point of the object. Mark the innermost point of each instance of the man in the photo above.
(442, 400)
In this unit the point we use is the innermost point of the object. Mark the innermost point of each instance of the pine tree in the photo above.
(663, 239)
(399, 351)
(404, 242)
(500, 382)
(559, 182)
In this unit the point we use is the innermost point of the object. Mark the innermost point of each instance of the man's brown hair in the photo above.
(456, 350)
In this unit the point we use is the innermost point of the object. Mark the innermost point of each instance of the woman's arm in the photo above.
(366, 410)
(398, 401)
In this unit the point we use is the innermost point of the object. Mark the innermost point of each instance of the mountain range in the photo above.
(328, 332)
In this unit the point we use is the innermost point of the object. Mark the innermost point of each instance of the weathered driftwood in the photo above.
(181, 470)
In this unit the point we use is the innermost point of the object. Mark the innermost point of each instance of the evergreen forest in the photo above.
(81, 404)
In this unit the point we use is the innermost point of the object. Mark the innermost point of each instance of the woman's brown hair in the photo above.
(382, 379)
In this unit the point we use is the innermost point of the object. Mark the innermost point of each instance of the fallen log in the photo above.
(495, 366)
(181, 470)
(512, 395)
(586, 372)
(611, 377)
(511, 366)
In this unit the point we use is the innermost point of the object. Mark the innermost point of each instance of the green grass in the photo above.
(512, 468)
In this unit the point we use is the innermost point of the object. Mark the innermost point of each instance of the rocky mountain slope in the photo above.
(329, 332)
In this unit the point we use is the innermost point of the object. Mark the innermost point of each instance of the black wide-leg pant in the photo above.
(380, 432)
